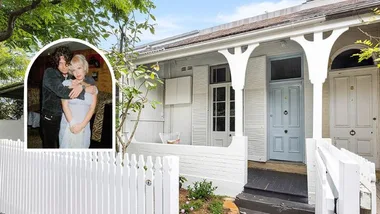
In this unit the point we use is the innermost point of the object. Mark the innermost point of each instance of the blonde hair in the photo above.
(78, 59)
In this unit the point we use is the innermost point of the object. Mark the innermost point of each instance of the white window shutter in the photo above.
(200, 105)
(170, 91)
(255, 109)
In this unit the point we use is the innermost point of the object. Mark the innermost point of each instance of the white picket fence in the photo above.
(88, 182)
(345, 182)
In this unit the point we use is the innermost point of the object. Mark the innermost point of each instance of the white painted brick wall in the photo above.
(226, 167)
(255, 109)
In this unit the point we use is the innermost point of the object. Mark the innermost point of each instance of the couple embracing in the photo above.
(68, 101)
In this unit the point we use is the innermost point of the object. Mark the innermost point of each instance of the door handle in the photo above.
(286, 131)
(286, 112)
(230, 135)
(352, 132)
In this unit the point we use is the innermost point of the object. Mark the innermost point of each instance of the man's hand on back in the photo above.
(76, 91)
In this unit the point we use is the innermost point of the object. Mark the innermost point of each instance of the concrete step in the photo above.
(286, 186)
(276, 194)
(280, 166)
(248, 211)
(273, 205)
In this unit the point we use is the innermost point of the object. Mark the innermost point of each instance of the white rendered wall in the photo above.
(226, 167)
(12, 129)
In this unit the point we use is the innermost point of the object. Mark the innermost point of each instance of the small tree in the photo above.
(134, 81)
(372, 44)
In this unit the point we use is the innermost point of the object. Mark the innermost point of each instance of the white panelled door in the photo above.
(353, 111)
(286, 138)
(222, 114)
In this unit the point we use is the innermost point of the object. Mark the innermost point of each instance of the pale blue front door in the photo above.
(286, 132)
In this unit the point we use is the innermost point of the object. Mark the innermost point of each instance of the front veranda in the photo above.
(259, 101)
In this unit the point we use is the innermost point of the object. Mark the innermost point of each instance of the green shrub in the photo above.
(216, 207)
(192, 204)
(201, 190)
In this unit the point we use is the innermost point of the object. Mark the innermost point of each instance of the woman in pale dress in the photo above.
(75, 127)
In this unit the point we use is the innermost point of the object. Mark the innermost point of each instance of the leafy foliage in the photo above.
(201, 199)
(201, 190)
(191, 206)
(13, 63)
(10, 109)
(29, 24)
(216, 207)
(372, 44)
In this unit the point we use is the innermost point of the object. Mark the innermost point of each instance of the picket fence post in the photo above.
(94, 182)
(349, 187)
(118, 184)
(149, 186)
(112, 176)
(126, 205)
(171, 184)
(158, 193)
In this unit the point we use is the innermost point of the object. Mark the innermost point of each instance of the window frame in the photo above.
(351, 67)
(228, 73)
(281, 57)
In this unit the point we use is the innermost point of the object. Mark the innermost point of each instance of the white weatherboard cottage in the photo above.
(256, 88)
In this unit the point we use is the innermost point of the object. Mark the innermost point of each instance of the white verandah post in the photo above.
(317, 54)
(238, 66)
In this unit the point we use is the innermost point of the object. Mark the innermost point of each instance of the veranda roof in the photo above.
(330, 12)
(14, 90)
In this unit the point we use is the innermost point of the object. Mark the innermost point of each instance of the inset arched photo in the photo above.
(69, 98)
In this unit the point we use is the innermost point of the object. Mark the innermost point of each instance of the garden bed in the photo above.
(214, 205)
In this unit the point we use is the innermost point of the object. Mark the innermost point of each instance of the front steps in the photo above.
(280, 166)
(274, 192)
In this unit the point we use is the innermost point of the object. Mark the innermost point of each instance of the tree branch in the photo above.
(4, 35)
(134, 129)
(370, 36)
(124, 117)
